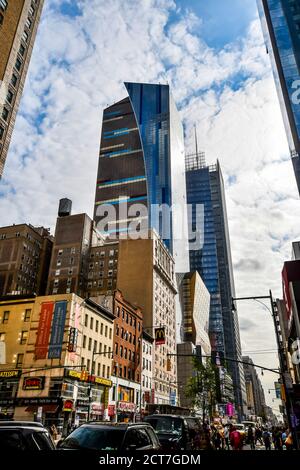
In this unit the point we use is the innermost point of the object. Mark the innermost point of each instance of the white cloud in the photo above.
(78, 68)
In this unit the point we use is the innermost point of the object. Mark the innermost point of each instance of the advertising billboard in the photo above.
(43, 333)
(57, 332)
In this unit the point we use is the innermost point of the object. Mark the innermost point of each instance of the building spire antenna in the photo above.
(196, 143)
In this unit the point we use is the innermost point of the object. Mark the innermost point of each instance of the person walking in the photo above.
(289, 441)
(267, 439)
(226, 437)
(235, 439)
(278, 439)
(251, 437)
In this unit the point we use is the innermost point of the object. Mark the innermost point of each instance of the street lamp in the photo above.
(94, 353)
(281, 355)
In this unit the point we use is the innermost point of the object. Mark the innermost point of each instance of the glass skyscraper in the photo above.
(280, 21)
(213, 262)
(142, 162)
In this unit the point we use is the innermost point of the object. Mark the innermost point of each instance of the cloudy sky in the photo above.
(213, 56)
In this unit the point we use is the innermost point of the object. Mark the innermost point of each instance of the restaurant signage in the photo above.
(160, 336)
(87, 378)
(73, 336)
(68, 405)
(126, 406)
(34, 383)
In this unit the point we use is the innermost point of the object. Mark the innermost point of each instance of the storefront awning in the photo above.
(46, 408)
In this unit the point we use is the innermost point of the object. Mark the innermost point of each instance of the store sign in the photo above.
(43, 333)
(126, 406)
(58, 328)
(73, 336)
(10, 374)
(97, 409)
(160, 336)
(85, 377)
(34, 383)
(68, 405)
(37, 401)
(111, 410)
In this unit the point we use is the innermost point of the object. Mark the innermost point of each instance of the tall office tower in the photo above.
(19, 20)
(142, 162)
(280, 21)
(213, 262)
(255, 392)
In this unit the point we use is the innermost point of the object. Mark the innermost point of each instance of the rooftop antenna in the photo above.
(196, 144)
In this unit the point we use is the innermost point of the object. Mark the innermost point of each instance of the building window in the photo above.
(58, 262)
(121, 351)
(90, 344)
(97, 326)
(88, 364)
(70, 271)
(5, 317)
(108, 372)
(101, 329)
(1, 134)
(28, 23)
(18, 64)
(22, 50)
(27, 315)
(106, 328)
(31, 11)
(125, 353)
(5, 114)
(60, 252)
(3, 4)
(25, 36)
(68, 290)
(84, 341)
(71, 260)
(56, 282)
(19, 362)
(24, 337)
(73, 250)
(110, 333)
(2, 336)
(100, 283)
(102, 254)
(110, 273)
(111, 252)
(99, 365)
(103, 370)
(57, 272)
(91, 323)
(116, 348)
(9, 96)
(86, 320)
(55, 290)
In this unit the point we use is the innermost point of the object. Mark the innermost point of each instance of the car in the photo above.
(176, 433)
(24, 435)
(241, 429)
(122, 437)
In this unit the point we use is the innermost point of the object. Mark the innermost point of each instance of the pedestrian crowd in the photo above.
(229, 437)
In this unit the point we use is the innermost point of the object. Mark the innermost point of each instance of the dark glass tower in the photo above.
(142, 162)
(280, 21)
(213, 262)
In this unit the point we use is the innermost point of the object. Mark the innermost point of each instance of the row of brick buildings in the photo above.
(129, 282)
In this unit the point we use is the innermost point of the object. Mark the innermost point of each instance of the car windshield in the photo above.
(94, 438)
(166, 425)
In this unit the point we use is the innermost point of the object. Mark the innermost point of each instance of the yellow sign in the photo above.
(9, 373)
(84, 377)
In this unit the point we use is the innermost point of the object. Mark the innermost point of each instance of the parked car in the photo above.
(177, 433)
(24, 435)
(111, 437)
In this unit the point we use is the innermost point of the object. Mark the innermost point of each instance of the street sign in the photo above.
(160, 336)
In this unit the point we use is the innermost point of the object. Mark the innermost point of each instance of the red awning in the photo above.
(46, 408)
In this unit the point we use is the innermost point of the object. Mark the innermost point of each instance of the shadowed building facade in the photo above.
(280, 21)
(19, 20)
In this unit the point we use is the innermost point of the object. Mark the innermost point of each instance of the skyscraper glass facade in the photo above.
(142, 161)
(213, 262)
(280, 21)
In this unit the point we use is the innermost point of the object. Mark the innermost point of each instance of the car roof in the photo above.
(105, 424)
(168, 416)
(27, 424)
